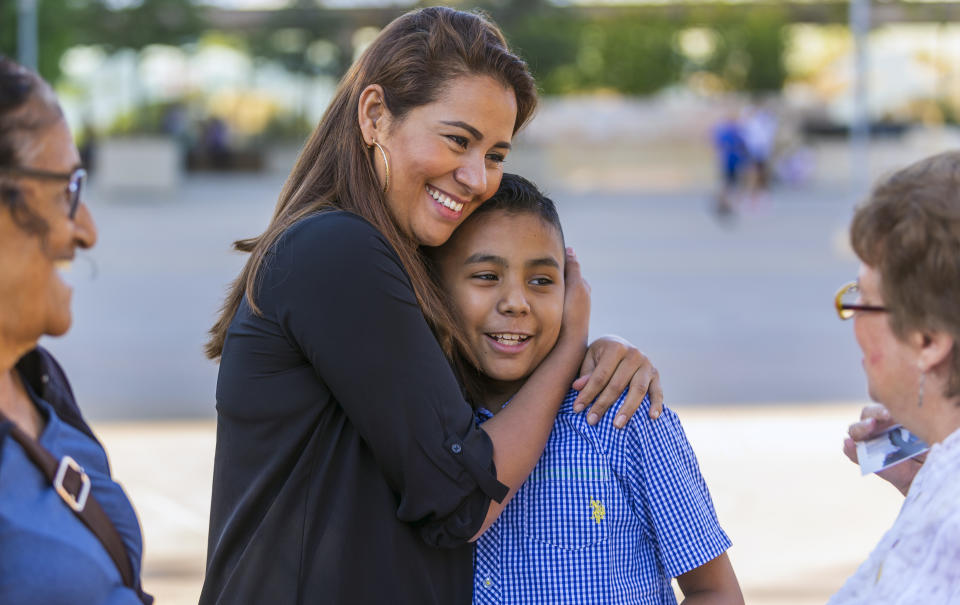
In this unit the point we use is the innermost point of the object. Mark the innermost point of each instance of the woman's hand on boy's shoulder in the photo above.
(611, 365)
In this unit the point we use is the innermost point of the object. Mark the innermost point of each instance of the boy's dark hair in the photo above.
(518, 195)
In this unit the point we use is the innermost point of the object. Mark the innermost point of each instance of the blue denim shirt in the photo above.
(47, 554)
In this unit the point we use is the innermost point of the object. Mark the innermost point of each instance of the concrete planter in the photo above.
(139, 163)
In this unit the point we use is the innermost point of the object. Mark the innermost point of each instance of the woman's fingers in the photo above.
(875, 410)
(576, 285)
(610, 366)
(862, 429)
(586, 370)
(850, 450)
(606, 365)
(656, 395)
(645, 380)
(641, 385)
(606, 350)
(579, 383)
(589, 364)
(610, 392)
(874, 419)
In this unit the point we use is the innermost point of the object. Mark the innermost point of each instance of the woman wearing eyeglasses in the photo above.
(905, 308)
(68, 534)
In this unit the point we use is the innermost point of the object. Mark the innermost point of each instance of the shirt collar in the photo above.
(482, 414)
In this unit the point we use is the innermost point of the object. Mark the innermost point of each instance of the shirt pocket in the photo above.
(564, 502)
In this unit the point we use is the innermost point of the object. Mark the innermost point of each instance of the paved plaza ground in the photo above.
(800, 516)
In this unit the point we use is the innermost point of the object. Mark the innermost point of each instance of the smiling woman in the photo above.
(348, 465)
(453, 153)
(67, 531)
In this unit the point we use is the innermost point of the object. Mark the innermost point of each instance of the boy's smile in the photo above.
(504, 273)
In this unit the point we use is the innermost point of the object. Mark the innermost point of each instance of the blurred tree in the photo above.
(56, 25)
(751, 43)
(550, 42)
(630, 49)
(173, 22)
(639, 56)
(66, 23)
(290, 35)
(570, 52)
(762, 39)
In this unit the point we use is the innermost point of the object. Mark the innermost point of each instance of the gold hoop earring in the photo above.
(386, 166)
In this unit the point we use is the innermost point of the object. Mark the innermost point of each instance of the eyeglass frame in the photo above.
(75, 180)
(847, 310)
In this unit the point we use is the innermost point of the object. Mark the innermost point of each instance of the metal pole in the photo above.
(27, 33)
(860, 124)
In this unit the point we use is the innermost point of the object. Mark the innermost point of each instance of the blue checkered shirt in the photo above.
(607, 516)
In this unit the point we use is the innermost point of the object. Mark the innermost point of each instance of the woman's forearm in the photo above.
(519, 432)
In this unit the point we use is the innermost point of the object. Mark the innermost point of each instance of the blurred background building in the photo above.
(262, 71)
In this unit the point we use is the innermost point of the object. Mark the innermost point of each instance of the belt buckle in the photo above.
(78, 502)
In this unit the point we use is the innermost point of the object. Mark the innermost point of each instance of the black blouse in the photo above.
(348, 466)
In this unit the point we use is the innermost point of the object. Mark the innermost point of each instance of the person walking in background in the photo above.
(68, 533)
(904, 307)
(759, 128)
(348, 467)
(607, 516)
(731, 158)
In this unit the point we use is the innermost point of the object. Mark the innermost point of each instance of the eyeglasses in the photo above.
(846, 301)
(75, 181)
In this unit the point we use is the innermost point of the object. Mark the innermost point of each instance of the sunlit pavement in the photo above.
(800, 516)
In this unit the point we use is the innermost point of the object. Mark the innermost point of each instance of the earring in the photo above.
(923, 378)
(386, 165)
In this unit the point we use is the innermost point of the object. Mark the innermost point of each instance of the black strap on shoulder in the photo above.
(44, 376)
(73, 485)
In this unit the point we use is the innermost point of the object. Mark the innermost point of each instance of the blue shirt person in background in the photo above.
(607, 516)
(732, 156)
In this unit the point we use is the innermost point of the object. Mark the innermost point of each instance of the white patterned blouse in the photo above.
(918, 559)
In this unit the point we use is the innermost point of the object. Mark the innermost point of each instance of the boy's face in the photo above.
(504, 272)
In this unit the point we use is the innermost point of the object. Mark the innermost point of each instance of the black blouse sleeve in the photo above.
(342, 297)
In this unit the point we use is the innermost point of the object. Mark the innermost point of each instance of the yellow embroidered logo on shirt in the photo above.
(599, 512)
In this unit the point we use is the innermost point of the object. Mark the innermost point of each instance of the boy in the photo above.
(608, 515)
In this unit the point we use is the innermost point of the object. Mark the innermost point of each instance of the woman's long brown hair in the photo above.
(412, 59)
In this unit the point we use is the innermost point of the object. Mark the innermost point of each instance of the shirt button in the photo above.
(487, 582)
(456, 448)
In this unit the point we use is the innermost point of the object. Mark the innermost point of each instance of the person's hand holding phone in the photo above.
(875, 419)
